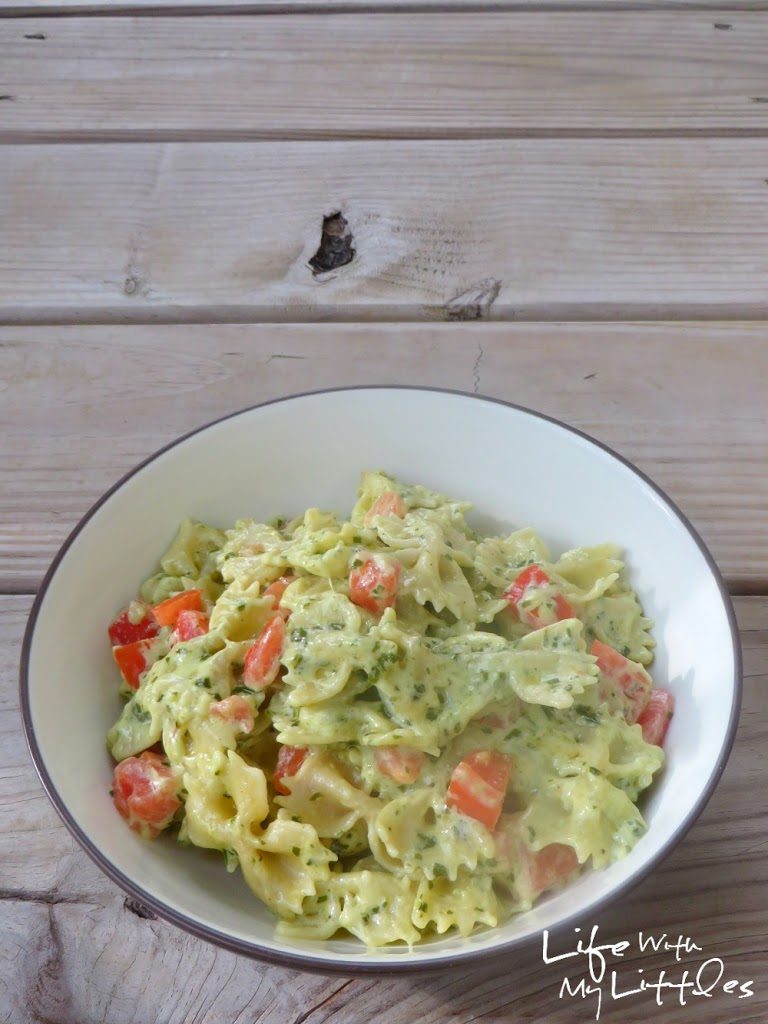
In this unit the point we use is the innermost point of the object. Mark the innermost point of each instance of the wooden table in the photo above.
(562, 204)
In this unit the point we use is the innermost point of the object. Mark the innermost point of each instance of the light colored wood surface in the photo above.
(252, 77)
(74, 953)
(599, 228)
(82, 405)
(521, 161)
(16, 8)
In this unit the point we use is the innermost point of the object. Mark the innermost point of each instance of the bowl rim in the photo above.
(308, 962)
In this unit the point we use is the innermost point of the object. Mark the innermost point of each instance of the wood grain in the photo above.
(584, 229)
(420, 74)
(153, 8)
(82, 405)
(74, 952)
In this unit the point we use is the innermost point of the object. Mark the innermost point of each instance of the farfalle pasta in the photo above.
(393, 726)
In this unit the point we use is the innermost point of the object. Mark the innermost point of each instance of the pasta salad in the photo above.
(393, 726)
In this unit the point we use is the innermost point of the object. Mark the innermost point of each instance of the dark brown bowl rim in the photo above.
(308, 962)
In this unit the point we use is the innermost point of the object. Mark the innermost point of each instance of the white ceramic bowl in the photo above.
(518, 468)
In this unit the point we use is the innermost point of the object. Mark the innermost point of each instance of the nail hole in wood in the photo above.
(335, 249)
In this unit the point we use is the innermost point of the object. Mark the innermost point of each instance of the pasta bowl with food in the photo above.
(380, 679)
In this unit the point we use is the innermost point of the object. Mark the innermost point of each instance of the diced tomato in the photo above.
(656, 717)
(167, 612)
(289, 760)
(536, 870)
(236, 710)
(498, 719)
(189, 625)
(552, 865)
(494, 721)
(134, 659)
(531, 576)
(553, 608)
(373, 585)
(145, 792)
(478, 786)
(123, 631)
(629, 675)
(492, 767)
(387, 504)
(403, 764)
(262, 662)
(276, 589)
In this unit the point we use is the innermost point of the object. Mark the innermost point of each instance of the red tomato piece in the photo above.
(134, 659)
(189, 625)
(262, 662)
(123, 631)
(373, 585)
(553, 608)
(629, 675)
(498, 719)
(145, 792)
(403, 764)
(552, 865)
(478, 786)
(563, 608)
(167, 612)
(236, 710)
(536, 871)
(656, 717)
(531, 576)
(276, 589)
(494, 721)
(492, 767)
(289, 760)
(387, 504)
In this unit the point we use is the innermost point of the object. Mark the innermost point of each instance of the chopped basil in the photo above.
(140, 712)
(587, 713)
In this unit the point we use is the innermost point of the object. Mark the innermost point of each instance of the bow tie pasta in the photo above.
(393, 726)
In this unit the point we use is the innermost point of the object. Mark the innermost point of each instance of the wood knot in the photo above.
(335, 249)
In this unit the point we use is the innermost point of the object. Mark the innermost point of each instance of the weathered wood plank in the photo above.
(401, 75)
(73, 952)
(560, 229)
(27, 8)
(82, 405)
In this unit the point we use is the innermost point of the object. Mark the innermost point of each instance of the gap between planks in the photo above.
(32, 137)
(603, 313)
